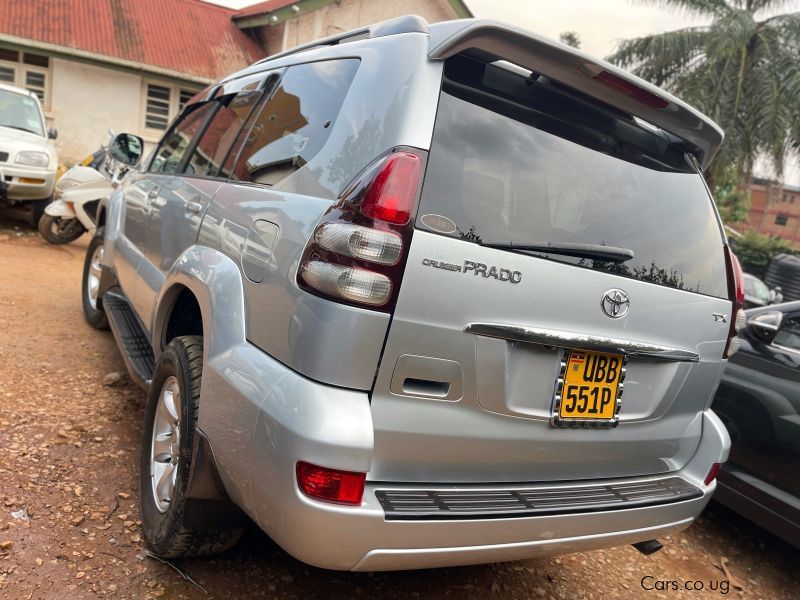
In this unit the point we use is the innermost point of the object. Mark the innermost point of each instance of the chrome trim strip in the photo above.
(555, 338)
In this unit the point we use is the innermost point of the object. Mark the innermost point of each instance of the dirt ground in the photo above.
(69, 521)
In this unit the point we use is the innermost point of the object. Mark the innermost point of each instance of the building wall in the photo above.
(85, 101)
(350, 14)
(772, 205)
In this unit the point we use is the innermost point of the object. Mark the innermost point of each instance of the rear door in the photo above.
(143, 197)
(187, 172)
(480, 365)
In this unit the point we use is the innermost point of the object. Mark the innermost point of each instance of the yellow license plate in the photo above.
(591, 386)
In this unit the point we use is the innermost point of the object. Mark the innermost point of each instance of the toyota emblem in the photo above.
(615, 303)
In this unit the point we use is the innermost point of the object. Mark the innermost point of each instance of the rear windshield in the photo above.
(517, 158)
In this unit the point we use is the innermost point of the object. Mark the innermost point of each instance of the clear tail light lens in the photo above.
(350, 283)
(357, 241)
(736, 294)
(330, 485)
(358, 252)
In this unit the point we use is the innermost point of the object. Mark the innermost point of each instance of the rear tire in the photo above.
(90, 283)
(167, 442)
(54, 232)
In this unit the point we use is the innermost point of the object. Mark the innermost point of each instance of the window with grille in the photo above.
(781, 220)
(25, 70)
(183, 98)
(8, 74)
(34, 82)
(157, 107)
(163, 102)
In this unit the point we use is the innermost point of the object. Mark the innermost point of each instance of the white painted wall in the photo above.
(86, 100)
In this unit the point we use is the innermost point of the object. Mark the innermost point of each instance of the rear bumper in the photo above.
(297, 419)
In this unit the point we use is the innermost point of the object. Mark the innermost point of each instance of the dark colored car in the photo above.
(757, 294)
(759, 402)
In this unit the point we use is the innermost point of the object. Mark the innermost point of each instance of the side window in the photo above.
(174, 144)
(789, 334)
(295, 122)
(218, 137)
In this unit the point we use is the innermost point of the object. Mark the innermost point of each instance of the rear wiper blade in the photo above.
(594, 251)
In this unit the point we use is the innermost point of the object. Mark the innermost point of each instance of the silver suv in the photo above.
(417, 296)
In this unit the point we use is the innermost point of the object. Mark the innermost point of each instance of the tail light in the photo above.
(736, 294)
(358, 251)
(712, 473)
(330, 485)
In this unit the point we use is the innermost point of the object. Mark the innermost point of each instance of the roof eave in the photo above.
(103, 60)
(280, 15)
(285, 13)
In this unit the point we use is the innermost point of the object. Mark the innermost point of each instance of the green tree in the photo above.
(756, 251)
(743, 70)
(570, 38)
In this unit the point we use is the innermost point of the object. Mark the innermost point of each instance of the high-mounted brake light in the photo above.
(330, 485)
(631, 89)
(358, 251)
(736, 295)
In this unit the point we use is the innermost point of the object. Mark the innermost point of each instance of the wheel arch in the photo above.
(204, 281)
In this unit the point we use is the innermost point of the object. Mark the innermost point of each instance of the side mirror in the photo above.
(127, 149)
(52, 133)
(765, 326)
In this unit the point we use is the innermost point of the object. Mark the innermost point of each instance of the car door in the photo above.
(189, 178)
(759, 401)
(138, 191)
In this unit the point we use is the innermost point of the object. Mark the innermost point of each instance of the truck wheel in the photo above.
(36, 211)
(169, 427)
(92, 269)
(56, 230)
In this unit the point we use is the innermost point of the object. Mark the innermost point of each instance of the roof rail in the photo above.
(406, 24)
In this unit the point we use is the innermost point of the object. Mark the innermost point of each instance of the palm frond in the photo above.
(700, 8)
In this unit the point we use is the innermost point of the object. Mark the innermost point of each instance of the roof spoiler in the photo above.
(591, 76)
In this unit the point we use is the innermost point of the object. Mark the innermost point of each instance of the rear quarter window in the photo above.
(296, 120)
(516, 159)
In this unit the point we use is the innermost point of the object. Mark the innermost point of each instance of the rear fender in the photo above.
(216, 282)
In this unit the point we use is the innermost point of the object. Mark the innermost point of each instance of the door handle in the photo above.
(193, 207)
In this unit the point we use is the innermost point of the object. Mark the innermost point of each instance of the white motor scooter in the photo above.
(78, 194)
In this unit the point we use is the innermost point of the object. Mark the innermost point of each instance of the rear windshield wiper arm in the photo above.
(594, 251)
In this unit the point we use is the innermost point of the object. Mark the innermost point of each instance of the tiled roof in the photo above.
(263, 7)
(184, 36)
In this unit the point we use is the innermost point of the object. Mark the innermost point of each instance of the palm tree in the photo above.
(743, 70)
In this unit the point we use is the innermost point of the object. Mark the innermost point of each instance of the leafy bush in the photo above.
(755, 251)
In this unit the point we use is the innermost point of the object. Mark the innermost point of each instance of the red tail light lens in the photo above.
(391, 195)
(358, 251)
(712, 473)
(736, 294)
(330, 485)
